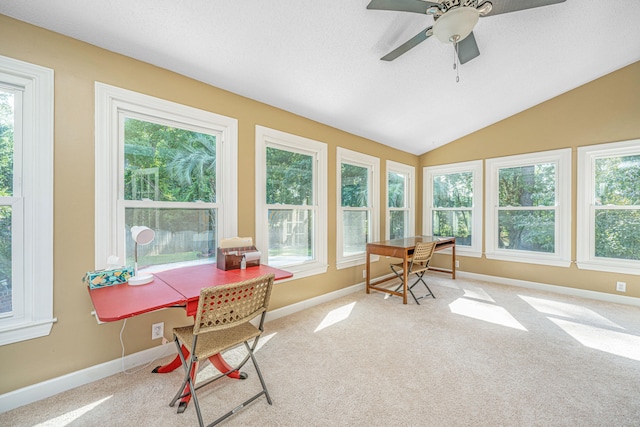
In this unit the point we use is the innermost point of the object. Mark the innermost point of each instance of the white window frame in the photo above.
(372, 163)
(110, 103)
(266, 137)
(585, 241)
(562, 255)
(409, 196)
(32, 202)
(475, 168)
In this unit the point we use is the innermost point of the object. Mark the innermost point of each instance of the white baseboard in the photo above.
(39, 391)
(601, 296)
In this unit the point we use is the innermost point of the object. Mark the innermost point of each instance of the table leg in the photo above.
(368, 268)
(453, 262)
(405, 278)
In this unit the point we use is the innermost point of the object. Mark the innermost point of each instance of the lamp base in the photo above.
(141, 280)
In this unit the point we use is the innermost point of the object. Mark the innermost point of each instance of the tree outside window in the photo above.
(170, 186)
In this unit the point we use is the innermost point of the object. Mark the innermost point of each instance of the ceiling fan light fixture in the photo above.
(456, 24)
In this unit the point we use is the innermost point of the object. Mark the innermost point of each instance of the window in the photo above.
(26, 201)
(609, 207)
(528, 208)
(291, 201)
(400, 200)
(358, 176)
(453, 204)
(169, 167)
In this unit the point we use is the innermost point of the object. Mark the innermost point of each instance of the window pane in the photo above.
(453, 190)
(355, 185)
(355, 232)
(453, 223)
(181, 235)
(289, 178)
(617, 181)
(168, 164)
(533, 185)
(617, 233)
(396, 189)
(397, 223)
(290, 236)
(5, 260)
(6, 143)
(527, 230)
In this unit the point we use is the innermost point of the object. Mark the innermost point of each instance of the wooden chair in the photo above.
(418, 265)
(223, 322)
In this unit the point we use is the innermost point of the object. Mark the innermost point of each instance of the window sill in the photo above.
(529, 259)
(11, 334)
(610, 267)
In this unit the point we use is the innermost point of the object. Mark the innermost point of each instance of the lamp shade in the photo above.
(456, 24)
(142, 235)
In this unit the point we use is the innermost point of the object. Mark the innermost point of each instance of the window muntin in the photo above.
(291, 201)
(357, 222)
(171, 168)
(26, 201)
(453, 204)
(528, 215)
(609, 207)
(400, 200)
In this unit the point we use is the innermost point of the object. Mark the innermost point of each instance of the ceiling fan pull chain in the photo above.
(455, 62)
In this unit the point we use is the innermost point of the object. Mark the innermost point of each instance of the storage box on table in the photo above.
(230, 258)
(102, 278)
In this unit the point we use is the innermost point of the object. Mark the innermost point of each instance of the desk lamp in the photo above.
(141, 236)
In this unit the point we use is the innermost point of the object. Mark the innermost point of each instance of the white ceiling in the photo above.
(320, 58)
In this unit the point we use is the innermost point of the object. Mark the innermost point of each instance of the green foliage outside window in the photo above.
(6, 189)
(169, 164)
(290, 182)
(534, 187)
(617, 184)
(451, 191)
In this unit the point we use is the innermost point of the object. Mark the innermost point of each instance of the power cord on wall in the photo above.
(164, 351)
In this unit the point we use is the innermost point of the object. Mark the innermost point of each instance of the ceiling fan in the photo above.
(453, 20)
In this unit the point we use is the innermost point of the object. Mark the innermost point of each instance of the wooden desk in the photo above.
(403, 248)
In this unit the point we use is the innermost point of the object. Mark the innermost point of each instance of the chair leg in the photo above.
(421, 279)
(254, 397)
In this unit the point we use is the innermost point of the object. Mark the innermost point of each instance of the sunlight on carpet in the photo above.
(335, 316)
(570, 311)
(613, 342)
(486, 312)
(71, 416)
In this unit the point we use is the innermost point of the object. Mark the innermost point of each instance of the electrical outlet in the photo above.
(457, 264)
(621, 286)
(364, 274)
(157, 330)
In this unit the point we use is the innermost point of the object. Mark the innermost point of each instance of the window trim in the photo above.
(267, 137)
(36, 249)
(344, 155)
(410, 196)
(110, 101)
(475, 167)
(585, 241)
(562, 255)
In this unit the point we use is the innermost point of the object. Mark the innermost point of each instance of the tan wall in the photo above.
(605, 110)
(77, 341)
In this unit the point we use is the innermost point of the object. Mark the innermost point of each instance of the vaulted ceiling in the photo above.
(321, 59)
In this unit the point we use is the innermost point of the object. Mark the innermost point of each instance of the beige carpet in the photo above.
(480, 354)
